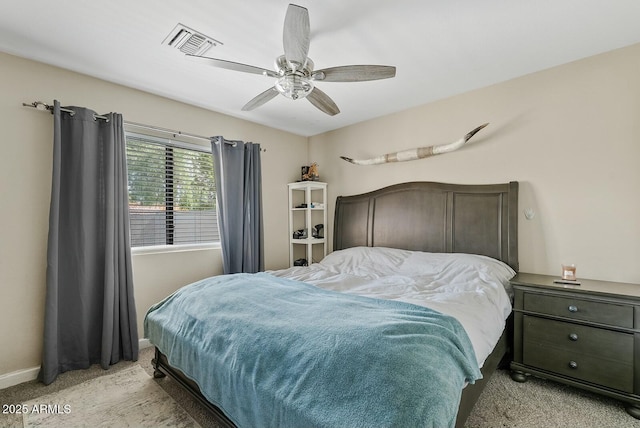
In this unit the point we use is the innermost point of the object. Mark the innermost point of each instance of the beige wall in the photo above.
(570, 135)
(25, 182)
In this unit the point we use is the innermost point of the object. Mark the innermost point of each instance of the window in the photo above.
(172, 194)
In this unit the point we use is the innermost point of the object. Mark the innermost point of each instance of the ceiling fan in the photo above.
(294, 70)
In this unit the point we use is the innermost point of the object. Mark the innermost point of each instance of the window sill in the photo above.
(161, 249)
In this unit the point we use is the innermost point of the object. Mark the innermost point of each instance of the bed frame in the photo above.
(433, 217)
(421, 216)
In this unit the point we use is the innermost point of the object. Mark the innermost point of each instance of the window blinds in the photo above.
(172, 194)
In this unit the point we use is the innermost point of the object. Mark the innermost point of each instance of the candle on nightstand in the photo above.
(569, 272)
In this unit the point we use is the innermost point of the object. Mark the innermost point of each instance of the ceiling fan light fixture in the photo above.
(294, 70)
(294, 86)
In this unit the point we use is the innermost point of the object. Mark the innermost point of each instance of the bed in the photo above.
(344, 342)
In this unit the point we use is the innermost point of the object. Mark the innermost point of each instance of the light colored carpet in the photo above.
(128, 398)
(543, 403)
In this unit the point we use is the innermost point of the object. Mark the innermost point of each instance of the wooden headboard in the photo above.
(433, 217)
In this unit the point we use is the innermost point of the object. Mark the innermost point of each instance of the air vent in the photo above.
(189, 41)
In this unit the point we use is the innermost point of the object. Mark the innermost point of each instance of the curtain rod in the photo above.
(39, 105)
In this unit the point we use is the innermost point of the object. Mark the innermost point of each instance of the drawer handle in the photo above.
(573, 337)
(573, 308)
(573, 364)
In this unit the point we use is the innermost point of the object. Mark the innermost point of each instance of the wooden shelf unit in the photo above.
(313, 194)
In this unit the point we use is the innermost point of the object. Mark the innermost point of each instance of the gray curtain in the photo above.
(90, 314)
(238, 174)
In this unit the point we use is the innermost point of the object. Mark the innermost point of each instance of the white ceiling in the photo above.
(440, 47)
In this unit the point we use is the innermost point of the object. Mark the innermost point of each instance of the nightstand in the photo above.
(587, 335)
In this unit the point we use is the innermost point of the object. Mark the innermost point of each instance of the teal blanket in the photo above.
(272, 352)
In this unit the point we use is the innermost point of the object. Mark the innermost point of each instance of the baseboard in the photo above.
(17, 377)
(27, 375)
(144, 343)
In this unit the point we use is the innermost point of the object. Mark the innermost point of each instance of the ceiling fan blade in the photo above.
(296, 35)
(355, 73)
(260, 99)
(323, 102)
(235, 66)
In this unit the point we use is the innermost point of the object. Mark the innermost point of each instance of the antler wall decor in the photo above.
(418, 153)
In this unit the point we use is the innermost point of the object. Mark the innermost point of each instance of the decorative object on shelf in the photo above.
(310, 173)
(418, 153)
(314, 175)
(318, 231)
(300, 262)
(300, 234)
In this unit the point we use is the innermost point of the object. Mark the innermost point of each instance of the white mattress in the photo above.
(473, 289)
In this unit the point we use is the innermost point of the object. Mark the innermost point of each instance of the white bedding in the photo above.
(473, 289)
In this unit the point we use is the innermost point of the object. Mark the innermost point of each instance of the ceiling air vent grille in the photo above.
(189, 41)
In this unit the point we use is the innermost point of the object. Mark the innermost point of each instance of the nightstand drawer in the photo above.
(585, 310)
(591, 354)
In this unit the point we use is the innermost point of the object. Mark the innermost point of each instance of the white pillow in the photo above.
(382, 261)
